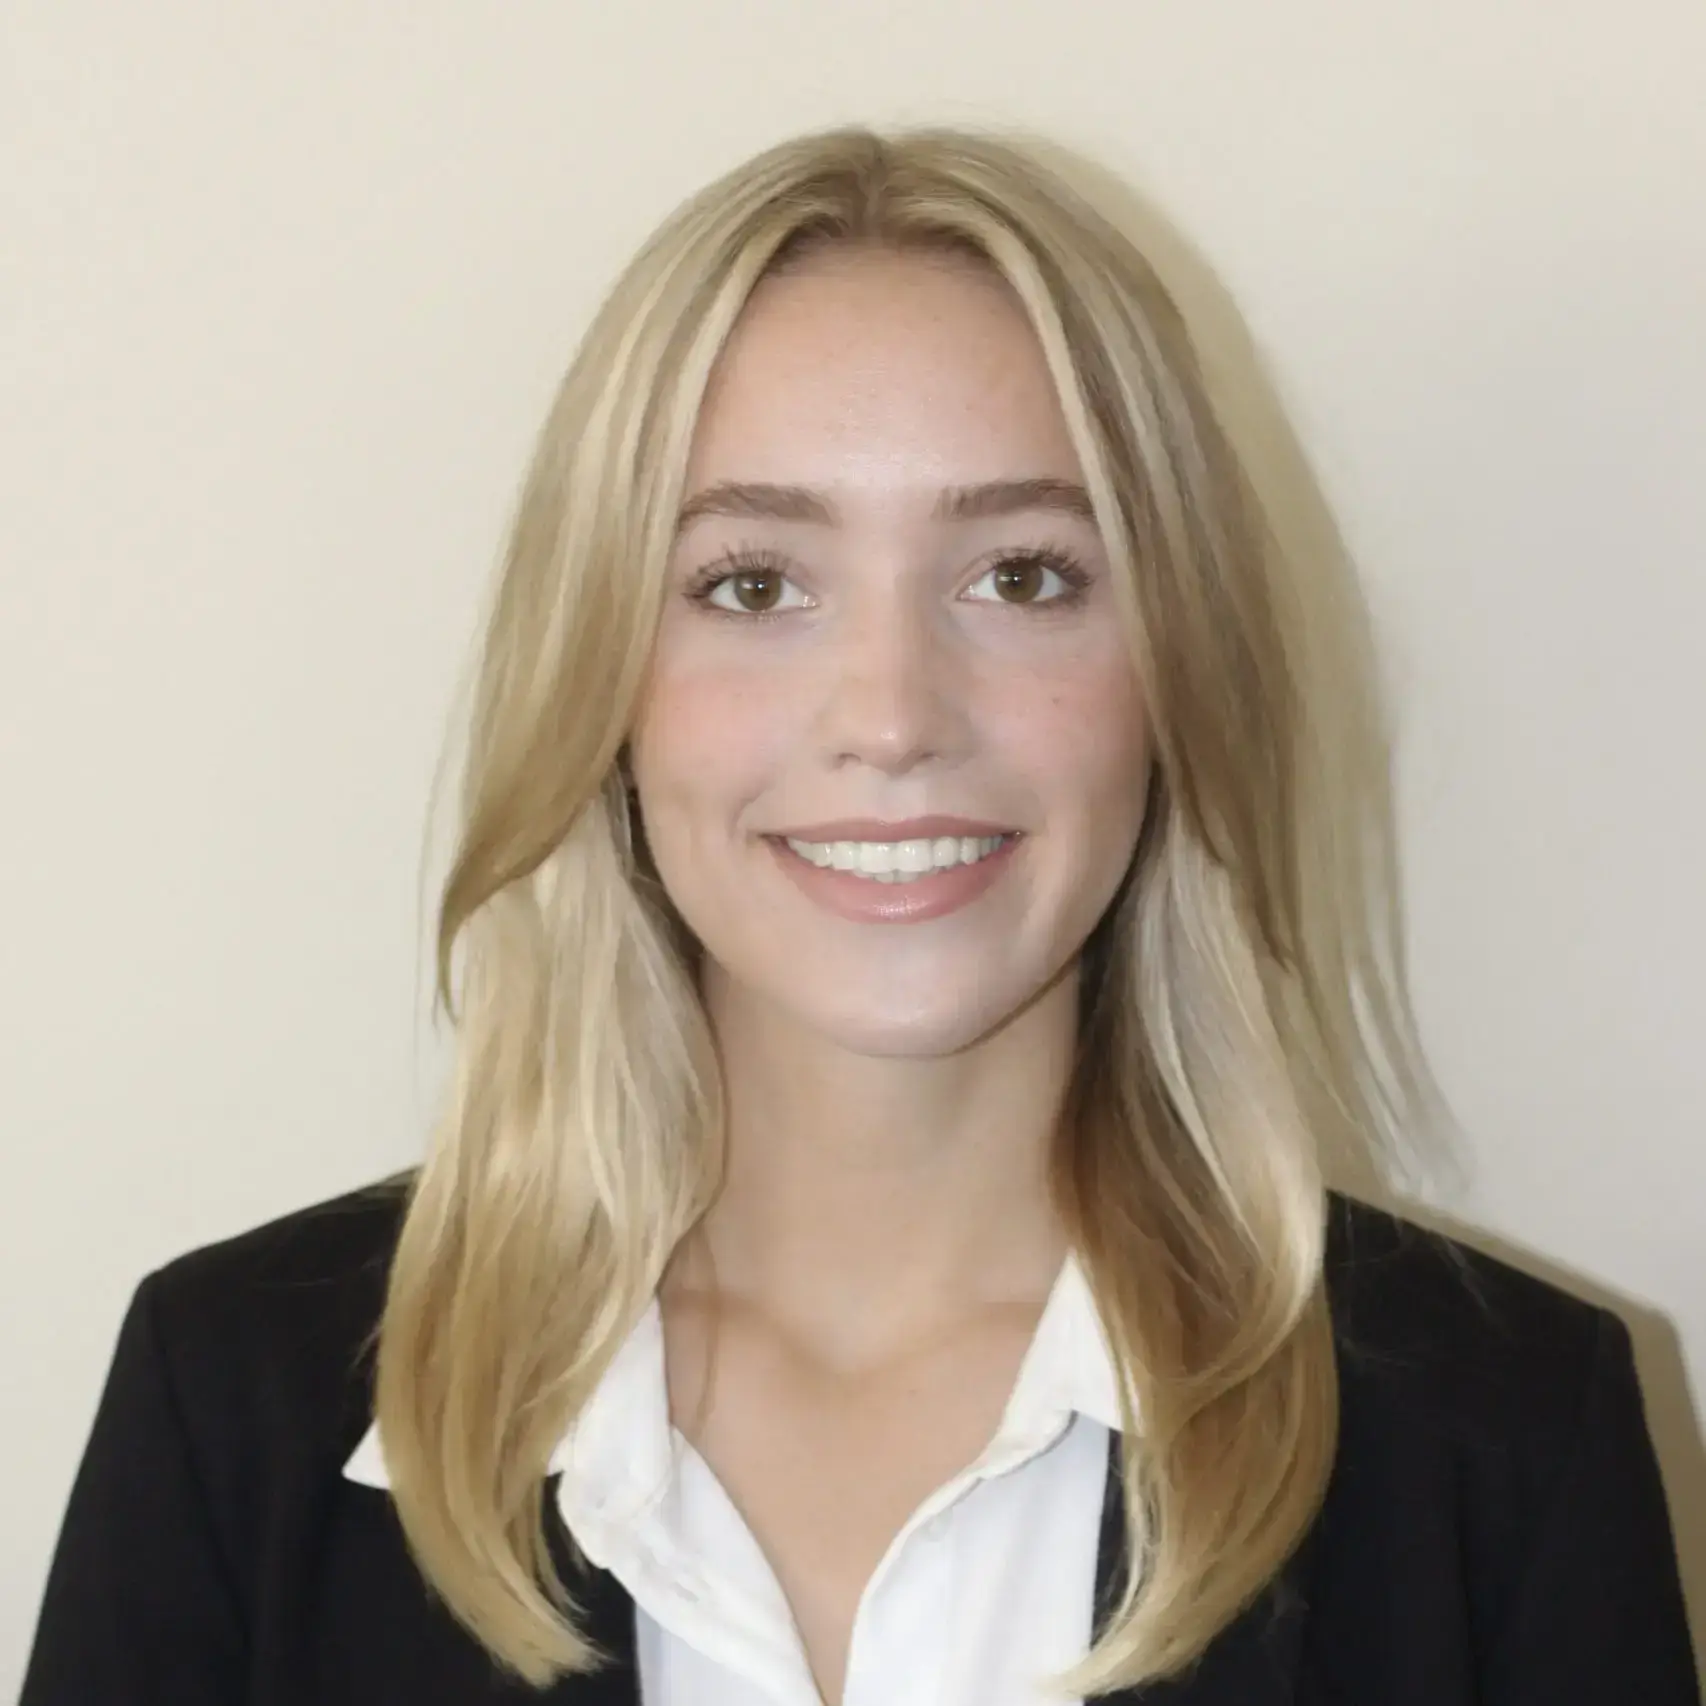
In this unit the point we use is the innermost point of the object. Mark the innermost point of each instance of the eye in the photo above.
(743, 586)
(1022, 578)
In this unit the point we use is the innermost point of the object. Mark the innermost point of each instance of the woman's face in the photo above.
(889, 637)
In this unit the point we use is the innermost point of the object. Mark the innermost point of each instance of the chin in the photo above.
(929, 1033)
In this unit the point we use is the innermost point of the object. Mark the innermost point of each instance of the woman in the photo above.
(920, 898)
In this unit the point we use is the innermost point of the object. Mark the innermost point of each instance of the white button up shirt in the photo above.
(985, 1591)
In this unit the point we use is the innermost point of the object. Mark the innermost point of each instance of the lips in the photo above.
(919, 900)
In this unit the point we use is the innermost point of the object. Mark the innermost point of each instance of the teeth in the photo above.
(897, 861)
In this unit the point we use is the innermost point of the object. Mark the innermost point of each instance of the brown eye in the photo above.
(746, 585)
(756, 589)
(1043, 580)
(1019, 580)
(745, 592)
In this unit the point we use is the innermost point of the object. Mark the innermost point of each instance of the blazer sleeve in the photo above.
(140, 1609)
(1599, 1613)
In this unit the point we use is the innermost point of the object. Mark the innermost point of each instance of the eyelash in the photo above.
(699, 588)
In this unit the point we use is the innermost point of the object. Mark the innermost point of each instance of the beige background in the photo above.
(283, 289)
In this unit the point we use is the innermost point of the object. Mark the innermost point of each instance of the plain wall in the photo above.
(283, 292)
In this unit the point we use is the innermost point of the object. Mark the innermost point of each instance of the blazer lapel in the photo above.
(1252, 1662)
(606, 1616)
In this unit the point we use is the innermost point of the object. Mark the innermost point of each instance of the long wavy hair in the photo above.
(1242, 1014)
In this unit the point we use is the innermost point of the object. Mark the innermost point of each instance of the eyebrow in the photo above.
(748, 501)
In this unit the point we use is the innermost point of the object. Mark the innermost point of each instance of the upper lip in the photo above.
(909, 829)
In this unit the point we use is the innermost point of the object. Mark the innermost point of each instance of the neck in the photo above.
(866, 1199)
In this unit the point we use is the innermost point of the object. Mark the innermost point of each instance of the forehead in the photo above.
(866, 367)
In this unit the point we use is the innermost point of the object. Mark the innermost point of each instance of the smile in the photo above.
(895, 882)
(898, 861)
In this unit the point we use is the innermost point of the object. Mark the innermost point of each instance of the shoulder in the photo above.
(1446, 1346)
(1496, 1518)
(1404, 1293)
(315, 1246)
(272, 1329)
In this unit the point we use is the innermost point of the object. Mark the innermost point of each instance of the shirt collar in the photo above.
(620, 1450)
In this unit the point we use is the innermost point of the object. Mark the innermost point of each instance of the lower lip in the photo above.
(867, 901)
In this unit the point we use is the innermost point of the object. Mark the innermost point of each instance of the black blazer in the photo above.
(1494, 1532)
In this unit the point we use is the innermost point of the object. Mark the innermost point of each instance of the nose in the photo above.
(892, 694)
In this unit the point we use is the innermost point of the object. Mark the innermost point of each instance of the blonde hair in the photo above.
(1243, 1012)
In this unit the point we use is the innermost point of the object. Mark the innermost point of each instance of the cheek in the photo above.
(1088, 749)
(1084, 729)
(704, 736)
